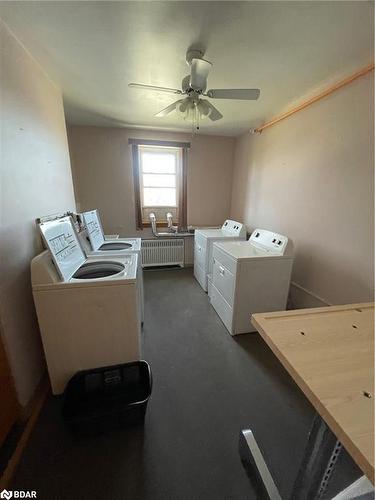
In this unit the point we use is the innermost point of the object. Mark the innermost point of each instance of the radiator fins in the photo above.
(163, 252)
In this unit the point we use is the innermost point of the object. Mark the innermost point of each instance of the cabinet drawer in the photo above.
(222, 308)
(224, 281)
(224, 259)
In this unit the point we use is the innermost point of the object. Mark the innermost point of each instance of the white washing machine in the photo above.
(88, 309)
(249, 277)
(95, 245)
(203, 243)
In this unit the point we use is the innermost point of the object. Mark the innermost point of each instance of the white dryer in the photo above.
(88, 309)
(249, 277)
(95, 245)
(203, 244)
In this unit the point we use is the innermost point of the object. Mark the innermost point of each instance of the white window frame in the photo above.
(160, 210)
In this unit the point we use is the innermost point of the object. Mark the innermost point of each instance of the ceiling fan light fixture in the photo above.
(193, 110)
(185, 108)
(203, 109)
(182, 107)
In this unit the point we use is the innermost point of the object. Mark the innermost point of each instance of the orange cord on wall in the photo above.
(316, 98)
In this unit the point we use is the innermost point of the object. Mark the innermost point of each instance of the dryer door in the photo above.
(224, 281)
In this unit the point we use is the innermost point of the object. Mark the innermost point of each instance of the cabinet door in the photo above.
(8, 399)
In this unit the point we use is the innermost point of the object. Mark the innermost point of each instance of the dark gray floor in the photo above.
(207, 387)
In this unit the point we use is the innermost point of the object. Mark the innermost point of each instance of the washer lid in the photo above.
(94, 228)
(62, 241)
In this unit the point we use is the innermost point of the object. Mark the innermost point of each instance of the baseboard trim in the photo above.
(29, 417)
(312, 294)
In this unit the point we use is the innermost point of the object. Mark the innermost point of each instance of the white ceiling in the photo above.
(92, 50)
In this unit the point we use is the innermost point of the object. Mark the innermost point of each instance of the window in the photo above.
(160, 180)
(159, 169)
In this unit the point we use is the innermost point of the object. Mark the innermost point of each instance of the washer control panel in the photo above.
(268, 240)
(233, 227)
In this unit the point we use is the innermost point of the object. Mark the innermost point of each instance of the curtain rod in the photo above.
(152, 142)
(316, 98)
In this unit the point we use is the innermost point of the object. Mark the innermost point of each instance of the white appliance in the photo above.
(249, 277)
(88, 309)
(203, 244)
(95, 245)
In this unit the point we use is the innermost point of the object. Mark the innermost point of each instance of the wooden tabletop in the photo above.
(329, 352)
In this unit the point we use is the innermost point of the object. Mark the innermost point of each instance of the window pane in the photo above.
(158, 197)
(158, 163)
(154, 180)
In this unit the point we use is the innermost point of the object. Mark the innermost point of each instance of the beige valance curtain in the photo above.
(182, 218)
(137, 194)
(182, 209)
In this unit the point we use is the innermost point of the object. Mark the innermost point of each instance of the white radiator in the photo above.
(163, 252)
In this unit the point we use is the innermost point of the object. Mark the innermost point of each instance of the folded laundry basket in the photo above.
(107, 398)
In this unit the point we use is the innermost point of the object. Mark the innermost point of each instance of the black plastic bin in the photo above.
(107, 398)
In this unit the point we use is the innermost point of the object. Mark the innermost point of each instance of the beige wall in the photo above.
(35, 180)
(102, 174)
(311, 177)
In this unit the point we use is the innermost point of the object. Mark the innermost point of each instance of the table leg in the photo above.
(256, 467)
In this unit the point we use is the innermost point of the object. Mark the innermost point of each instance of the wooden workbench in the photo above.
(329, 352)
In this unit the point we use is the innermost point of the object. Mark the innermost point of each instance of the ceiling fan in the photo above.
(194, 86)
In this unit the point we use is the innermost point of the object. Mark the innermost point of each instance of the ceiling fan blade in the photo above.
(153, 87)
(240, 94)
(168, 109)
(199, 73)
(214, 113)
